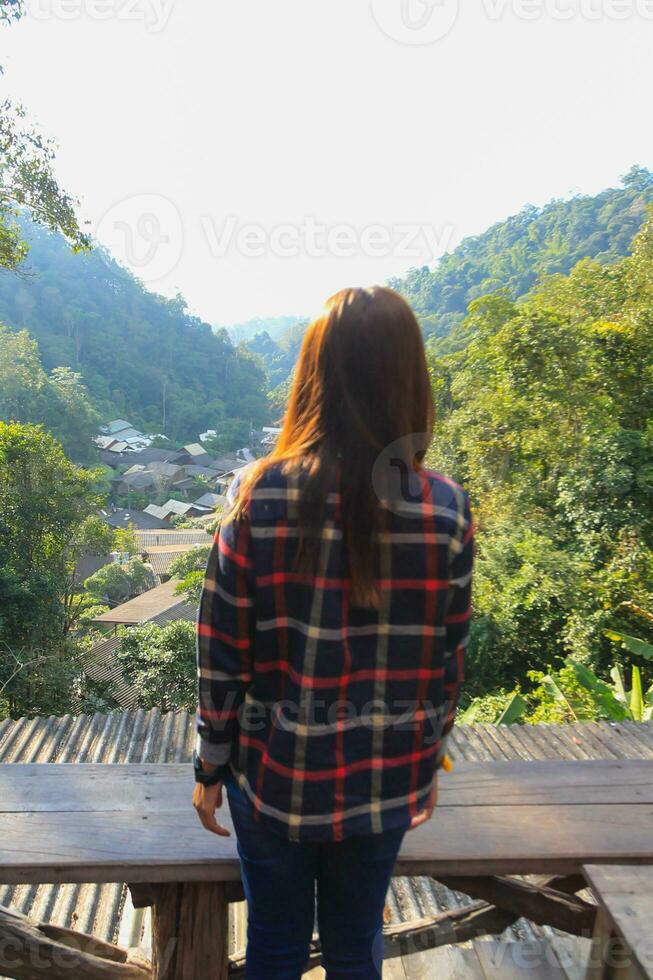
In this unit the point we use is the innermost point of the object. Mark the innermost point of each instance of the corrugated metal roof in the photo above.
(150, 539)
(138, 736)
(145, 606)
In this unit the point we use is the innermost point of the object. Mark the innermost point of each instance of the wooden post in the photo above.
(190, 931)
(610, 958)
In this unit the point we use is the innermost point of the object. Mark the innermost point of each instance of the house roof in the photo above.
(185, 536)
(161, 557)
(158, 512)
(206, 471)
(178, 507)
(106, 911)
(141, 480)
(144, 607)
(128, 433)
(116, 426)
(211, 500)
(195, 449)
(141, 519)
(224, 464)
(162, 468)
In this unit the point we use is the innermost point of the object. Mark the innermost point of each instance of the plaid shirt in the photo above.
(333, 717)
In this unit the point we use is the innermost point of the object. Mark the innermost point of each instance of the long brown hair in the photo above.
(360, 385)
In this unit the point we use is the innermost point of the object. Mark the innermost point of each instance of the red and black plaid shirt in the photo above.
(331, 716)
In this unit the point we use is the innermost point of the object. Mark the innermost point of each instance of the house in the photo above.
(141, 520)
(158, 512)
(209, 434)
(160, 557)
(138, 482)
(172, 536)
(159, 601)
(176, 508)
(105, 442)
(118, 425)
(226, 463)
(166, 472)
(212, 500)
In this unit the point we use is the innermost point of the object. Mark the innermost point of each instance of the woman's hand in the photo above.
(427, 812)
(206, 800)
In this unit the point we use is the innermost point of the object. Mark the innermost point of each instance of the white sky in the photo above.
(181, 121)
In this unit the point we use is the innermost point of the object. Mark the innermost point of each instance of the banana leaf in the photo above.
(513, 711)
(637, 696)
(619, 685)
(631, 643)
(558, 694)
(604, 695)
(469, 716)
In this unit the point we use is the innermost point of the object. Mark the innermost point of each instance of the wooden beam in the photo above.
(541, 904)
(31, 951)
(190, 931)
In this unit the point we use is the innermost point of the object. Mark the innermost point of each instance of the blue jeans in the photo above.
(281, 879)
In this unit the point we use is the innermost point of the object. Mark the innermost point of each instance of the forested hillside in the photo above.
(546, 416)
(512, 255)
(515, 253)
(141, 356)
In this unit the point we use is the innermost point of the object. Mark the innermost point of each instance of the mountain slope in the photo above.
(537, 242)
(141, 356)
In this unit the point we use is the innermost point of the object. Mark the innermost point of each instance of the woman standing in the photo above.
(331, 637)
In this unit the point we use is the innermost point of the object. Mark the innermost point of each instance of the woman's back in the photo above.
(341, 709)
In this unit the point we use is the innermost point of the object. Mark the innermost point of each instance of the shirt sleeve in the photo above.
(458, 617)
(225, 640)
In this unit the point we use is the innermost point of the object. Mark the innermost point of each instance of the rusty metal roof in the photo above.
(139, 736)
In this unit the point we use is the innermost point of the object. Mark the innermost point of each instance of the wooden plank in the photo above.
(83, 786)
(626, 896)
(165, 845)
(538, 903)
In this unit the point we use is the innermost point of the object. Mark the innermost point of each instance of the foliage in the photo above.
(545, 415)
(117, 582)
(159, 662)
(141, 356)
(125, 541)
(27, 181)
(190, 568)
(58, 400)
(571, 694)
(514, 254)
(234, 434)
(44, 503)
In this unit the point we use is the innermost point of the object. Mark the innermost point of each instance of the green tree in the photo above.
(115, 583)
(190, 568)
(27, 181)
(44, 501)
(160, 663)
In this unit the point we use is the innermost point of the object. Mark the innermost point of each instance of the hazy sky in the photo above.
(259, 154)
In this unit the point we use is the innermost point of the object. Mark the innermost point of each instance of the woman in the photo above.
(330, 640)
